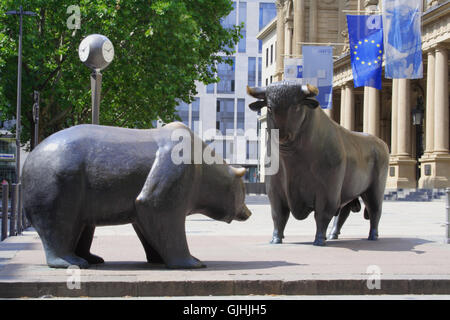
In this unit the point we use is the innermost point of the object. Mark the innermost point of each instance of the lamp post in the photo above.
(20, 13)
(96, 52)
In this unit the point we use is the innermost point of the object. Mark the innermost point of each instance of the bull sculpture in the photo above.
(323, 167)
(88, 176)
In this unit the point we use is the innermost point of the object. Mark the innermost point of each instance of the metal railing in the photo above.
(11, 211)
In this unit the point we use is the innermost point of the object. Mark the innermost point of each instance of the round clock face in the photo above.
(108, 51)
(83, 50)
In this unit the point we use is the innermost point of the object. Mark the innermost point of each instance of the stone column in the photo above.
(404, 118)
(342, 117)
(429, 108)
(402, 168)
(288, 28)
(374, 112)
(299, 23)
(349, 115)
(313, 21)
(441, 121)
(394, 117)
(366, 110)
(280, 40)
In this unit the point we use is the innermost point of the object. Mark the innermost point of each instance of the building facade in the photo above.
(219, 113)
(411, 116)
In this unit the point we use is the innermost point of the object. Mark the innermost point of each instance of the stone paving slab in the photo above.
(410, 255)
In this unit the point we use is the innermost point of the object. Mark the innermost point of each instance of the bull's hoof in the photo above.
(373, 235)
(319, 242)
(276, 240)
(333, 236)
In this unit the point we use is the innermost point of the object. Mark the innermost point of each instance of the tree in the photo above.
(161, 49)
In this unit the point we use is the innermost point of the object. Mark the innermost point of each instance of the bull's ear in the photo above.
(257, 105)
(311, 103)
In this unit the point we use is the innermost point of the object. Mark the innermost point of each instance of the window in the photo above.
(267, 11)
(195, 115)
(267, 82)
(267, 57)
(210, 88)
(229, 21)
(271, 54)
(243, 19)
(225, 116)
(240, 122)
(270, 79)
(251, 80)
(226, 74)
(183, 112)
(259, 71)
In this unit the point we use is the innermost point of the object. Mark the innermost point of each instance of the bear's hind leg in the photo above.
(84, 245)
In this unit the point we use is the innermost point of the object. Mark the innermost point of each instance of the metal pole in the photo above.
(96, 87)
(36, 118)
(5, 190)
(12, 218)
(447, 207)
(19, 97)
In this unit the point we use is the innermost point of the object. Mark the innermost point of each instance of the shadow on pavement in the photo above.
(210, 265)
(382, 244)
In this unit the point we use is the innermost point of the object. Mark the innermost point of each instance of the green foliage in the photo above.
(161, 49)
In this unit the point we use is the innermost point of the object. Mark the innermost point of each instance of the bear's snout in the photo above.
(244, 214)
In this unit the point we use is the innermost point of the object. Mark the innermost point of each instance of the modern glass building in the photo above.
(221, 108)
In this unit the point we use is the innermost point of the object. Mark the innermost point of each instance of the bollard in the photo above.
(20, 218)
(447, 207)
(5, 191)
(13, 216)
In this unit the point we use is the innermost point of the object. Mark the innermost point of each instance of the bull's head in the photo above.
(288, 106)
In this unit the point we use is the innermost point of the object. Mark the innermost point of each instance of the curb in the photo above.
(224, 288)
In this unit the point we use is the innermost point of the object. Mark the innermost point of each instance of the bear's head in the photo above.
(222, 194)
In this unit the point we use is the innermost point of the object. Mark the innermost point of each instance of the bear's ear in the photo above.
(238, 172)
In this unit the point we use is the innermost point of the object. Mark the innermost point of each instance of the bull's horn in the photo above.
(310, 90)
(259, 93)
(239, 172)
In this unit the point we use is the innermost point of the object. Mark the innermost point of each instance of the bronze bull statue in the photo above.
(323, 167)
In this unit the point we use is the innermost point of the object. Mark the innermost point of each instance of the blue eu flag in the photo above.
(366, 49)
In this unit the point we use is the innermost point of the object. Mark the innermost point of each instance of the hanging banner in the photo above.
(318, 71)
(293, 68)
(403, 39)
(366, 49)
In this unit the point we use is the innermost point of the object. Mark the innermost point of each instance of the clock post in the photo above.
(96, 52)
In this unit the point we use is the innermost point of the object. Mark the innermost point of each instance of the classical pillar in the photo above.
(313, 21)
(299, 23)
(366, 110)
(435, 164)
(342, 117)
(402, 168)
(404, 118)
(429, 108)
(374, 112)
(394, 117)
(441, 121)
(349, 115)
(280, 40)
(288, 28)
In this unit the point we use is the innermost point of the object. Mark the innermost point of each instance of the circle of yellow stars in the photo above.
(355, 52)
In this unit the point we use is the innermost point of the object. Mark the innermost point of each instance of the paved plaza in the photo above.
(411, 257)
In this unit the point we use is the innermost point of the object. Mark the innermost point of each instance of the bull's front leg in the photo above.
(323, 219)
(280, 216)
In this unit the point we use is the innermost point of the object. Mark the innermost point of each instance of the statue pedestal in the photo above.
(435, 171)
(402, 173)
